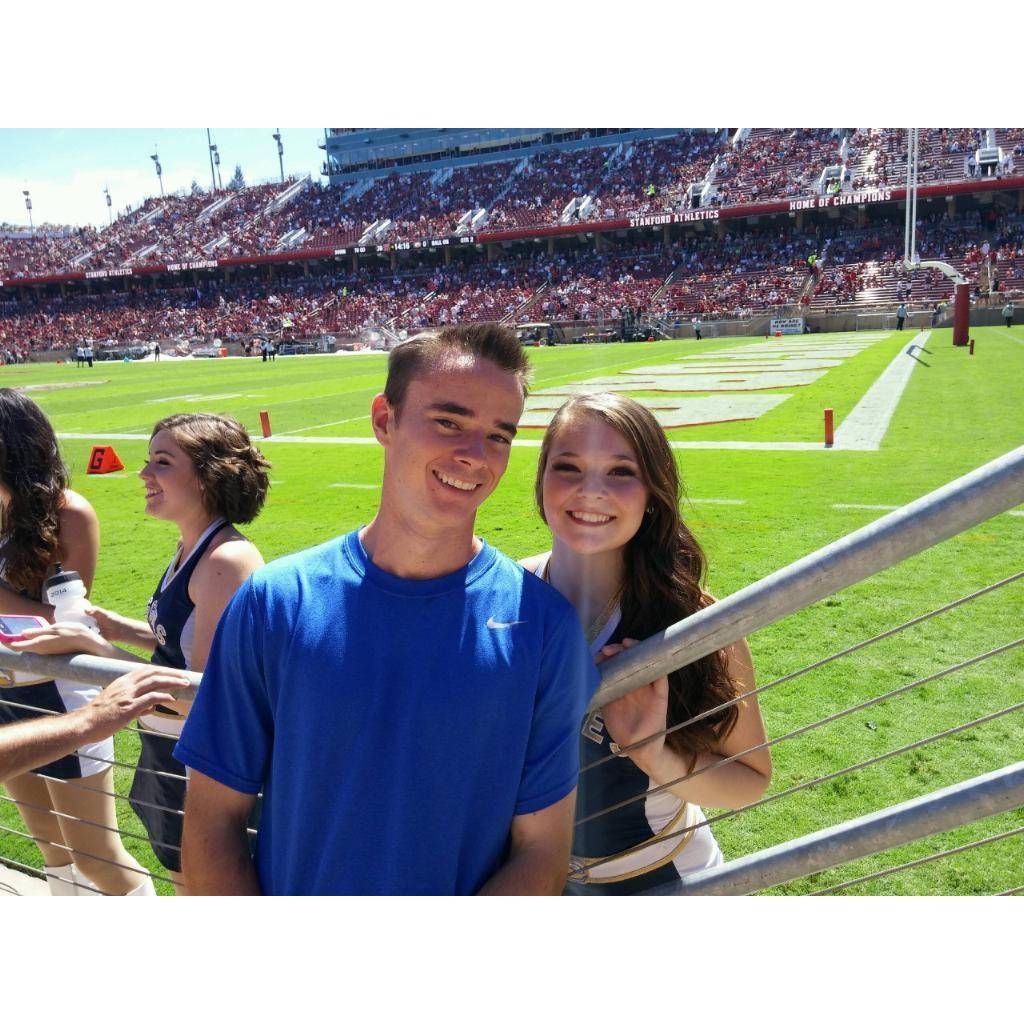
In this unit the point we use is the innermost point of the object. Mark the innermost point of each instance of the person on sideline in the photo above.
(406, 698)
(1008, 314)
(67, 804)
(204, 475)
(608, 488)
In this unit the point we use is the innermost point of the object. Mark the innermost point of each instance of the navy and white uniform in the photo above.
(23, 696)
(617, 835)
(160, 799)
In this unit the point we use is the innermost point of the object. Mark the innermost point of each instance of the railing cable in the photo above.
(799, 731)
(803, 671)
(91, 856)
(871, 761)
(917, 863)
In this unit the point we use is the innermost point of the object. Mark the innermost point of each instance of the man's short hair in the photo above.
(427, 352)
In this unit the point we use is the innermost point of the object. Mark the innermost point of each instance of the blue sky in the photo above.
(66, 169)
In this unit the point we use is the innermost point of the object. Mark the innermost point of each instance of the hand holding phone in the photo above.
(13, 626)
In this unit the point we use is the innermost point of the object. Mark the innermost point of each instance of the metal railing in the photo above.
(974, 498)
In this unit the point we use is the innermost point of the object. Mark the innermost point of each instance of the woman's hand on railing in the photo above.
(65, 638)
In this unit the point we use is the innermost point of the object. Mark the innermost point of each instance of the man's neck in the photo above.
(406, 550)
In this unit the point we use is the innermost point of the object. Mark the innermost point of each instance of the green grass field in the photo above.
(957, 412)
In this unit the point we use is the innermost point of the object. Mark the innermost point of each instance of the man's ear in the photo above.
(383, 418)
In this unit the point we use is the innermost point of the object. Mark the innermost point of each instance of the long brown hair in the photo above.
(664, 567)
(33, 471)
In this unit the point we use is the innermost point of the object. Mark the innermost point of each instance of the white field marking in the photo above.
(358, 487)
(198, 398)
(116, 476)
(103, 437)
(865, 426)
(275, 483)
(716, 501)
(1021, 513)
(873, 508)
(319, 426)
(1006, 334)
(721, 446)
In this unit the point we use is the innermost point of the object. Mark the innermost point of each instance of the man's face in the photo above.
(450, 444)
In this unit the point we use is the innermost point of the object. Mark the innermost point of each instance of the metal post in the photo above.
(958, 506)
(209, 146)
(280, 151)
(28, 205)
(948, 808)
(82, 668)
(155, 157)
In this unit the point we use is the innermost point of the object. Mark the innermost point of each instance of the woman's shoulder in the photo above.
(533, 563)
(76, 513)
(230, 548)
(228, 562)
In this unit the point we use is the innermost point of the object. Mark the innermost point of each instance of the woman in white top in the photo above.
(608, 488)
(203, 474)
(67, 805)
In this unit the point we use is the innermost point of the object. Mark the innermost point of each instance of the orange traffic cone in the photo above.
(103, 459)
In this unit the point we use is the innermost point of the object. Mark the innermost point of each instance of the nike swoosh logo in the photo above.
(491, 624)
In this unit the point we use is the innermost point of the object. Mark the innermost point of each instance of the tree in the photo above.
(196, 189)
(237, 180)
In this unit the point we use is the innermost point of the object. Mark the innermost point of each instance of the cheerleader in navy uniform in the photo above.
(608, 488)
(68, 805)
(203, 475)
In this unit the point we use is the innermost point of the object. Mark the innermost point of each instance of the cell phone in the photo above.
(13, 626)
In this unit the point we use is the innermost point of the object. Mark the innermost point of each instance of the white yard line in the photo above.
(878, 508)
(1005, 333)
(768, 446)
(320, 426)
(103, 437)
(865, 426)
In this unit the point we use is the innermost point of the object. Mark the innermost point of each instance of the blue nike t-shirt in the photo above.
(394, 726)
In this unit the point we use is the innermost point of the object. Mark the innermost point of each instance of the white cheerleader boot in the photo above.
(146, 889)
(61, 880)
(85, 886)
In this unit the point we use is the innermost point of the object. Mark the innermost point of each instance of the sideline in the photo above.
(866, 425)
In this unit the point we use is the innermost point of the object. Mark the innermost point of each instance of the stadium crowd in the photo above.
(732, 276)
(642, 177)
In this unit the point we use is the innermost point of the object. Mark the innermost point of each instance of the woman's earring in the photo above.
(649, 510)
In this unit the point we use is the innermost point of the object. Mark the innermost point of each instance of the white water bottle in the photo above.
(66, 592)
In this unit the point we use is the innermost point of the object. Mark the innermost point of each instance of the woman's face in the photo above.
(173, 491)
(594, 499)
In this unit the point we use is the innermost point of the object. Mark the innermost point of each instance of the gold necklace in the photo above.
(594, 629)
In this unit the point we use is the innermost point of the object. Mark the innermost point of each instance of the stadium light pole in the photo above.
(216, 163)
(280, 150)
(110, 215)
(159, 170)
(210, 146)
(28, 204)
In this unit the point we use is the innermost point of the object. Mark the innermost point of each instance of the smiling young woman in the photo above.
(203, 475)
(608, 488)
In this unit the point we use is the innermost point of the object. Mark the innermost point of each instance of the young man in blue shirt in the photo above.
(406, 698)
